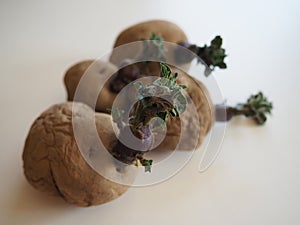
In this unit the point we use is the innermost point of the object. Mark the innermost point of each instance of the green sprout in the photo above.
(162, 98)
(257, 107)
(213, 56)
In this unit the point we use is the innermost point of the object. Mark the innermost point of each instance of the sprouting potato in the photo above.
(167, 30)
(197, 128)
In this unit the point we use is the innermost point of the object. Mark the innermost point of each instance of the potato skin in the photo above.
(191, 126)
(75, 73)
(201, 99)
(73, 76)
(168, 30)
(54, 164)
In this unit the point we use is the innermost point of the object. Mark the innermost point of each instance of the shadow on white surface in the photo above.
(27, 204)
(241, 121)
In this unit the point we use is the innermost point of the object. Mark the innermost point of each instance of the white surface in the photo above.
(255, 179)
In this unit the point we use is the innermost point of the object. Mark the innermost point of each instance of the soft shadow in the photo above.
(242, 121)
(28, 206)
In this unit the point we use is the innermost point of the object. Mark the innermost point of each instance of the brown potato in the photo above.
(189, 131)
(54, 164)
(198, 95)
(73, 76)
(169, 31)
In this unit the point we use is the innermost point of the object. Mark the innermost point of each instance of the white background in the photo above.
(255, 179)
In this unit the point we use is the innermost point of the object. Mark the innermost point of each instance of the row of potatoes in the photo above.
(52, 160)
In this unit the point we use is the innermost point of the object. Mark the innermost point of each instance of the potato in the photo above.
(90, 86)
(73, 76)
(198, 94)
(194, 124)
(54, 164)
(169, 31)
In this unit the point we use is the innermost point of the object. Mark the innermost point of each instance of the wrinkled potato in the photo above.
(54, 164)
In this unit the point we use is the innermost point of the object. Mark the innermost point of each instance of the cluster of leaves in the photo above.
(257, 107)
(163, 98)
(213, 55)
